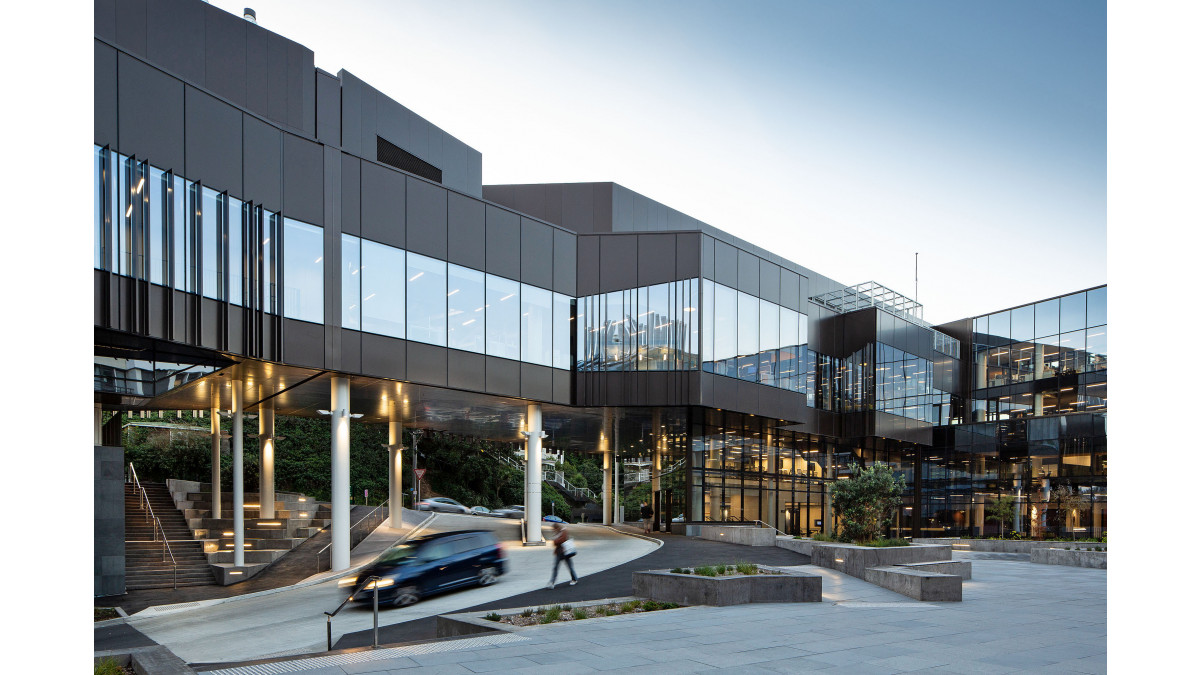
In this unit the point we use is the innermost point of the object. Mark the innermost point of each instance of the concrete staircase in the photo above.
(144, 564)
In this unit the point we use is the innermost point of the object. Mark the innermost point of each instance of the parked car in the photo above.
(678, 519)
(553, 519)
(515, 511)
(442, 505)
(483, 511)
(431, 564)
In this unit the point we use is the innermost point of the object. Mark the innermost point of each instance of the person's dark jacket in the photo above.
(647, 512)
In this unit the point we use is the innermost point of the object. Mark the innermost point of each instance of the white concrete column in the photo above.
(533, 474)
(215, 432)
(266, 469)
(607, 459)
(395, 466)
(97, 424)
(339, 407)
(239, 496)
(771, 512)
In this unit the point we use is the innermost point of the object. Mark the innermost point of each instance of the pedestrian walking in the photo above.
(564, 549)
(647, 516)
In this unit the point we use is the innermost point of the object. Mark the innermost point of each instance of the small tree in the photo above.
(865, 502)
(1066, 501)
(1001, 511)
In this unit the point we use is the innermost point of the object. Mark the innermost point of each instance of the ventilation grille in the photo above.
(405, 161)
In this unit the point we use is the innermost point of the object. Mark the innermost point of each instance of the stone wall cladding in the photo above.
(108, 525)
(920, 585)
(856, 560)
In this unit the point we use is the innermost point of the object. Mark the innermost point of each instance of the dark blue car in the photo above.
(431, 564)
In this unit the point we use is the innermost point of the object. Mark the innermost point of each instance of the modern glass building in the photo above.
(262, 224)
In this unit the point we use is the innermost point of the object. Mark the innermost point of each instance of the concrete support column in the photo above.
(616, 482)
(1039, 355)
(239, 496)
(266, 469)
(607, 458)
(771, 497)
(395, 466)
(339, 407)
(97, 424)
(215, 433)
(533, 474)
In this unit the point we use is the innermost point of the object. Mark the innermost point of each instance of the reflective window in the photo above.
(747, 337)
(537, 309)
(303, 271)
(98, 180)
(180, 229)
(1073, 352)
(351, 282)
(562, 331)
(426, 299)
(1046, 321)
(1097, 307)
(1073, 312)
(1022, 324)
(725, 335)
(123, 215)
(708, 310)
(237, 266)
(158, 210)
(270, 261)
(383, 289)
(768, 320)
(465, 302)
(1097, 348)
(211, 220)
(998, 328)
(503, 310)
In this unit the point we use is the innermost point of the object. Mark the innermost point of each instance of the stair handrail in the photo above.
(144, 504)
(373, 513)
(769, 526)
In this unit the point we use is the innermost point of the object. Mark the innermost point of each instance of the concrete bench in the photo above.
(917, 584)
(958, 568)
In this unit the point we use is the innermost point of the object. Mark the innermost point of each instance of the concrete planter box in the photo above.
(690, 589)
(473, 623)
(1002, 545)
(745, 535)
(918, 584)
(1062, 556)
(856, 560)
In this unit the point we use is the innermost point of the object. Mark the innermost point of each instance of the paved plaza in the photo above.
(1015, 617)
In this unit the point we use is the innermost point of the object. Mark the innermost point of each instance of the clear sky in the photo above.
(845, 136)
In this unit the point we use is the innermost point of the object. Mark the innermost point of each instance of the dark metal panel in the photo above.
(655, 259)
(329, 109)
(295, 85)
(277, 76)
(351, 351)
(503, 376)
(175, 38)
(426, 218)
(537, 382)
(789, 290)
(503, 255)
(303, 343)
(104, 19)
(99, 295)
(234, 341)
(562, 387)
(426, 364)
(303, 188)
(564, 262)
(537, 253)
(179, 315)
(308, 99)
(602, 218)
(214, 142)
(262, 163)
(383, 205)
(210, 325)
(225, 54)
(618, 262)
(465, 231)
(687, 255)
(257, 87)
(104, 100)
(368, 125)
(768, 281)
(150, 125)
(465, 371)
(332, 217)
(383, 357)
(708, 254)
(351, 193)
(656, 388)
(747, 272)
(726, 268)
(352, 89)
(588, 273)
(578, 207)
(131, 26)
(725, 393)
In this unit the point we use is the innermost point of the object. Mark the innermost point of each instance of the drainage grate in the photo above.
(384, 654)
(164, 609)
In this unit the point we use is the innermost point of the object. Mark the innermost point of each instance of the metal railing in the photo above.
(559, 480)
(372, 520)
(157, 529)
(767, 526)
(375, 608)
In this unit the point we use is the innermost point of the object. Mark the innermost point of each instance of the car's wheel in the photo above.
(407, 596)
(487, 576)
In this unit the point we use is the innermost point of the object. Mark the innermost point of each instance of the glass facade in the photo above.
(904, 386)
(648, 328)
(465, 309)
(752, 339)
(303, 271)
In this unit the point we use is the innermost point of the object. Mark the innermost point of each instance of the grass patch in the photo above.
(747, 568)
(104, 613)
(821, 536)
(579, 614)
(705, 571)
(527, 613)
(881, 543)
(630, 606)
(551, 615)
(492, 617)
(109, 667)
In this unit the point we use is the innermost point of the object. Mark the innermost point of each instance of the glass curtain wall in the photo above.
(648, 328)
(751, 339)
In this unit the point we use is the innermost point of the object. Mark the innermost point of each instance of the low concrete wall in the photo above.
(473, 623)
(804, 546)
(959, 568)
(918, 584)
(690, 589)
(856, 560)
(1002, 545)
(745, 535)
(156, 660)
(1072, 558)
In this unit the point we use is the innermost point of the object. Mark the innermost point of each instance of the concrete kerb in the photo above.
(463, 624)
(158, 610)
(658, 542)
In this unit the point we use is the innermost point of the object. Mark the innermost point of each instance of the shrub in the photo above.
(527, 613)
(109, 667)
(747, 568)
(651, 606)
(821, 536)
(670, 605)
(553, 614)
(579, 613)
(629, 606)
(492, 616)
(865, 502)
(676, 570)
(706, 571)
(880, 543)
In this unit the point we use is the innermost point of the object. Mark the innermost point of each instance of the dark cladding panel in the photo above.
(618, 262)
(537, 254)
(588, 274)
(426, 209)
(503, 244)
(329, 109)
(104, 103)
(303, 343)
(351, 179)
(263, 163)
(427, 364)
(747, 273)
(768, 281)
(256, 70)
(277, 74)
(726, 272)
(383, 205)
(465, 232)
(131, 26)
(562, 387)
(789, 291)
(537, 382)
(214, 142)
(104, 19)
(503, 376)
(708, 254)
(225, 55)
(352, 94)
(233, 334)
(465, 371)
(209, 325)
(351, 351)
(602, 217)
(303, 180)
(383, 357)
(151, 114)
(687, 256)
(655, 259)
(578, 207)
(308, 99)
(296, 75)
(564, 262)
(175, 38)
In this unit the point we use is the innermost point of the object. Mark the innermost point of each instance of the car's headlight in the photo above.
(379, 583)
(347, 581)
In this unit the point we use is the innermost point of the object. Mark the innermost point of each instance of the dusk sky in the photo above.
(844, 136)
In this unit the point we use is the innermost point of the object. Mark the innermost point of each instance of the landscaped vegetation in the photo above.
(737, 569)
(105, 613)
(562, 613)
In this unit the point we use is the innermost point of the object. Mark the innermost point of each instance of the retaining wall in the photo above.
(1072, 558)
(1002, 545)
(690, 589)
(855, 560)
(745, 535)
